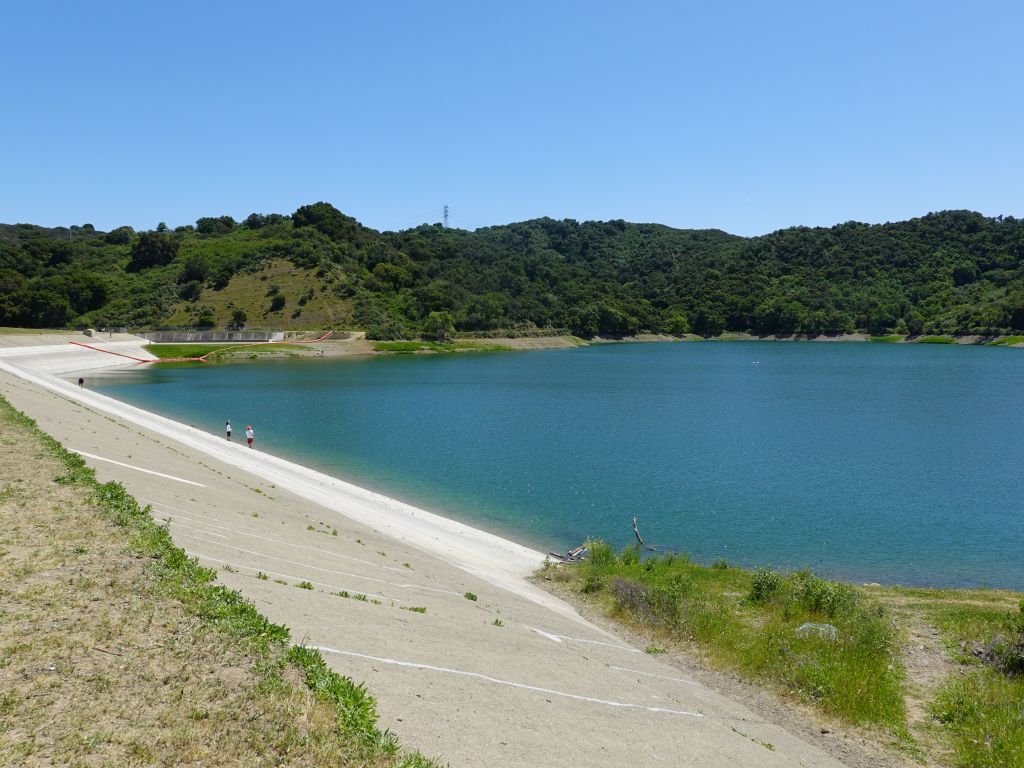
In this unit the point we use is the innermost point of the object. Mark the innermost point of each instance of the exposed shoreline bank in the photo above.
(358, 345)
(355, 343)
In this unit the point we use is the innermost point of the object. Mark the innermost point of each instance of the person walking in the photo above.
(81, 382)
(227, 428)
(249, 435)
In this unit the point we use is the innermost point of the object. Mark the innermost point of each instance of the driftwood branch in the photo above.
(635, 531)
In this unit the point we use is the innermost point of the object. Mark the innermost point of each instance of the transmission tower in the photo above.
(446, 217)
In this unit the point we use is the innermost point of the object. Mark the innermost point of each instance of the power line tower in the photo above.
(446, 217)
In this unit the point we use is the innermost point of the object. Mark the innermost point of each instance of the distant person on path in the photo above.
(249, 435)
(81, 382)
(227, 428)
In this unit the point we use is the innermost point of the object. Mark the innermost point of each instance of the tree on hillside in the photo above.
(327, 219)
(153, 249)
(438, 326)
(220, 225)
(196, 268)
(119, 236)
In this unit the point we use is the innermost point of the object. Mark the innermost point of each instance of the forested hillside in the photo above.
(955, 272)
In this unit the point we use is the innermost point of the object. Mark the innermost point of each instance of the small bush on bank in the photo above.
(1009, 653)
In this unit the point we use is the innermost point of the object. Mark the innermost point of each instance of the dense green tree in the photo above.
(439, 326)
(120, 236)
(153, 249)
(329, 220)
(196, 268)
(220, 225)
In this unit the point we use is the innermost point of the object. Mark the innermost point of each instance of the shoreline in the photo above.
(502, 562)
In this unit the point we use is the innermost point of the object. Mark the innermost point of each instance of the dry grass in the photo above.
(249, 291)
(101, 663)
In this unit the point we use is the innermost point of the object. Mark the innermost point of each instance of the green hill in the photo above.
(955, 272)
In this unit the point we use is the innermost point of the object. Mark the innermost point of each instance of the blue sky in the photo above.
(745, 116)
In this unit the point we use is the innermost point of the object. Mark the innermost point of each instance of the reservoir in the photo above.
(867, 462)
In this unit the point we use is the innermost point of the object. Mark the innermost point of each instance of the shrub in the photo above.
(600, 554)
(765, 585)
(1009, 654)
(630, 596)
(827, 597)
(630, 555)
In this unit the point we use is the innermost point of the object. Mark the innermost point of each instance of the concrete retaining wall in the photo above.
(186, 337)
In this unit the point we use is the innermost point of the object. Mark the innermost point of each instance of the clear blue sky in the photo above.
(746, 116)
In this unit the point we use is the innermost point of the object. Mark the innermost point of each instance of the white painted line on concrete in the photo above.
(189, 527)
(510, 683)
(548, 635)
(137, 469)
(660, 677)
(325, 570)
(239, 532)
(560, 638)
(350, 590)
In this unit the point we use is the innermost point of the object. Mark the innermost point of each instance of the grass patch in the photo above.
(983, 713)
(164, 351)
(751, 622)
(1007, 340)
(891, 339)
(221, 351)
(935, 340)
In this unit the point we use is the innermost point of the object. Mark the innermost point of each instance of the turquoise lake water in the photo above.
(870, 462)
